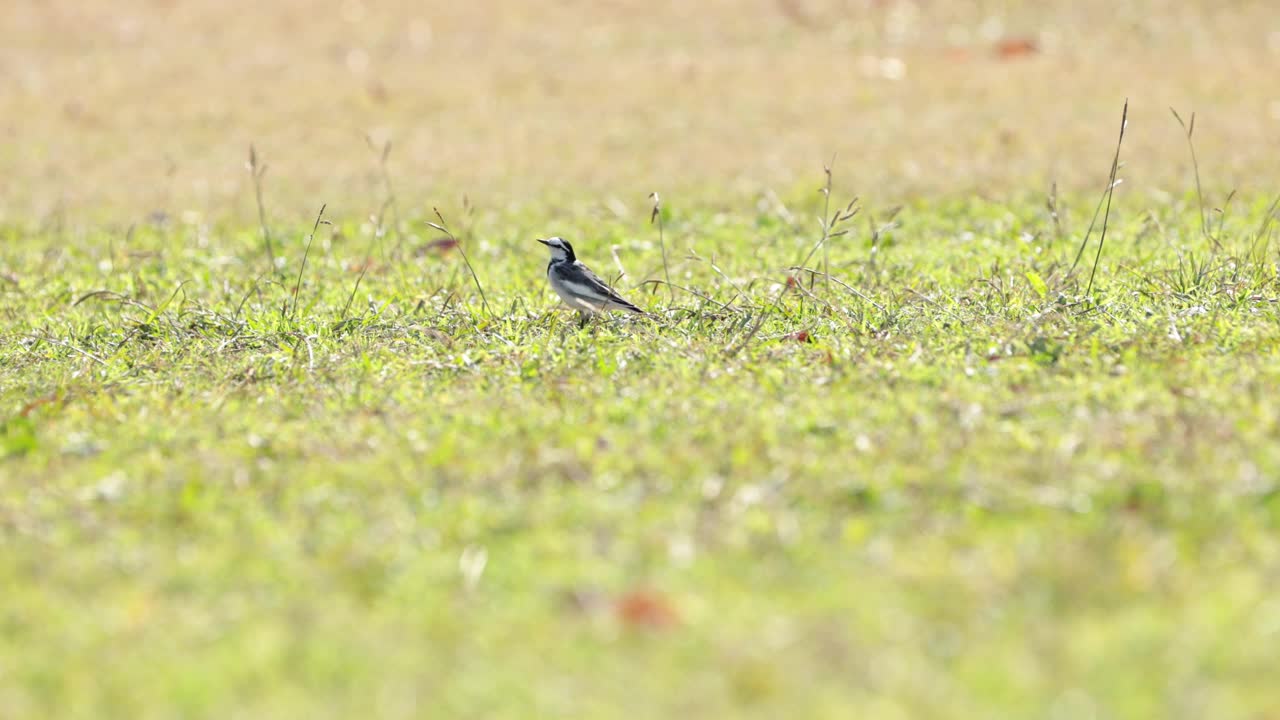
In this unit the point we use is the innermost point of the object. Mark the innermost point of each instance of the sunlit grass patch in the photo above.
(917, 468)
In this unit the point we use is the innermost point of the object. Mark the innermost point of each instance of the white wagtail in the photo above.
(577, 286)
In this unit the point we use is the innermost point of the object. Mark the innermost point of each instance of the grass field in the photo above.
(949, 462)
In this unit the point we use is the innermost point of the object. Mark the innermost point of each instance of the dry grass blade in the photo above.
(112, 295)
(826, 224)
(852, 290)
(1051, 204)
(297, 286)
(53, 341)
(444, 228)
(1107, 194)
(735, 349)
(1111, 191)
(738, 291)
(364, 268)
(692, 292)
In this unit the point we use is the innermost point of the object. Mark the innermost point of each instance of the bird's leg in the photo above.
(583, 318)
(598, 317)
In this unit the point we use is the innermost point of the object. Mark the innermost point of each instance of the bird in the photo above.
(577, 286)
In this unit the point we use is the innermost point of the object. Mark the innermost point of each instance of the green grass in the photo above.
(972, 492)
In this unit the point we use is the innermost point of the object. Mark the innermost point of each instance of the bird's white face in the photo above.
(559, 248)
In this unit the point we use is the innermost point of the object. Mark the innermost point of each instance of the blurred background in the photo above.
(125, 108)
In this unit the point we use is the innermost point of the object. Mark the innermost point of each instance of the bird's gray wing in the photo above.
(587, 283)
(583, 276)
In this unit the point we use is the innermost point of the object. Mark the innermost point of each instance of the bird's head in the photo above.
(560, 249)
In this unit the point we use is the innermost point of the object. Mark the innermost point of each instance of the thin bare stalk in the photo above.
(1051, 204)
(297, 286)
(256, 171)
(656, 217)
(1111, 189)
(695, 293)
(1264, 227)
(1188, 128)
(52, 341)
(842, 284)
(826, 226)
(829, 224)
(252, 288)
(379, 230)
(355, 288)
(444, 228)
(878, 230)
(390, 201)
(1093, 222)
(735, 349)
(738, 291)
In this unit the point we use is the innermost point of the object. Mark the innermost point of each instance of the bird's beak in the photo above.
(544, 242)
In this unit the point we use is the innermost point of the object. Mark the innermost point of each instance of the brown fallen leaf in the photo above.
(645, 608)
(362, 266)
(1016, 47)
(439, 245)
(49, 399)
